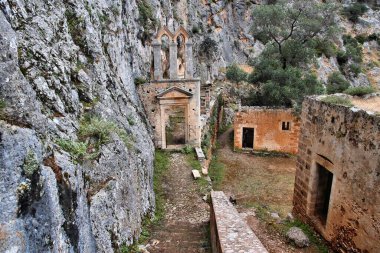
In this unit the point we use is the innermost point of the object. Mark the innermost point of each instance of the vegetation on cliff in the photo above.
(300, 31)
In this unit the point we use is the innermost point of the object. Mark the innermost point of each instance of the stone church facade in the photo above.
(172, 98)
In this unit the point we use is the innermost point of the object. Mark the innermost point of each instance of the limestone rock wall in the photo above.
(58, 61)
(61, 59)
(346, 141)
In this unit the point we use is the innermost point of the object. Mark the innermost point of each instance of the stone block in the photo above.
(196, 174)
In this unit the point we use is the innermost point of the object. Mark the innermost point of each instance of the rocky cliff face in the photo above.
(61, 60)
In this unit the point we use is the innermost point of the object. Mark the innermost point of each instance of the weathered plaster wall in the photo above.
(350, 139)
(268, 134)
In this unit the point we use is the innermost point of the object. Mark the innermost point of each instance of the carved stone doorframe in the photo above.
(170, 103)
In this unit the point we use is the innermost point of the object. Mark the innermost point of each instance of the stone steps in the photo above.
(181, 237)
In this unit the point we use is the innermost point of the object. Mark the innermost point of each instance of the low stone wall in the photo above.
(229, 232)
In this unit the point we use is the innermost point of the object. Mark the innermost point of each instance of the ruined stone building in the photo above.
(172, 99)
(338, 174)
(260, 128)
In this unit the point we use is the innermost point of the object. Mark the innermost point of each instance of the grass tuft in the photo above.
(216, 172)
(192, 161)
(30, 165)
(263, 214)
(161, 165)
(337, 101)
(139, 80)
(76, 149)
(95, 127)
(93, 133)
(359, 91)
(2, 104)
(309, 232)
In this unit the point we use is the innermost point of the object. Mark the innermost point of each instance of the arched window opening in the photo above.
(181, 63)
(165, 56)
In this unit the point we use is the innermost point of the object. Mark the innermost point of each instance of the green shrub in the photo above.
(361, 38)
(31, 164)
(325, 47)
(131, 120)
(161, 165)
(283, 87)
(374, 37)
(146, 15)
(216, 172)
(94, 127)
(354, 50)
(76, 149)
(354, 53)
(337, 101)
(93, 133)
(354, 11)
(208, 49)
(2, 104)
(359, 91)
(187, 149)
(140, 80)
(355, 69)
(342, 58)
(236, 74)
(195, 29)
(336, 83)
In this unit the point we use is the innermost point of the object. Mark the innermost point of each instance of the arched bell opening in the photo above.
(181, 59)
(165, 56)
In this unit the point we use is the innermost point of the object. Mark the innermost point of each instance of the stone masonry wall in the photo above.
(229, 232)
(148, 93)
(268, 133)
(348, 142)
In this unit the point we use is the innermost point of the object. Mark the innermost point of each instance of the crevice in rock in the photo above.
(67, 201)
(30, 196)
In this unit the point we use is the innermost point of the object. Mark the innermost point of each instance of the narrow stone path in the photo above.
(184, 228)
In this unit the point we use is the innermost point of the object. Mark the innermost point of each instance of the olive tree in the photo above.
(291, 25)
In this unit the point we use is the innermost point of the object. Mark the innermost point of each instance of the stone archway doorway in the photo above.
(174, 107)
(175, 125)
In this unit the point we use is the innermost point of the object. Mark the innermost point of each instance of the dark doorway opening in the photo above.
(248, 136)
(175, 127)
(324, 183)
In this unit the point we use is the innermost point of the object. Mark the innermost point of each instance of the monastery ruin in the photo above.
(272, 129)
(338, 174)
(172, 100)
(337, 149)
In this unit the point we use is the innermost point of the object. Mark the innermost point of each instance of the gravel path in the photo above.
(184, 228)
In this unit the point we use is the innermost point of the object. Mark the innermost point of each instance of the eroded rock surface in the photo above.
(60, 60)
